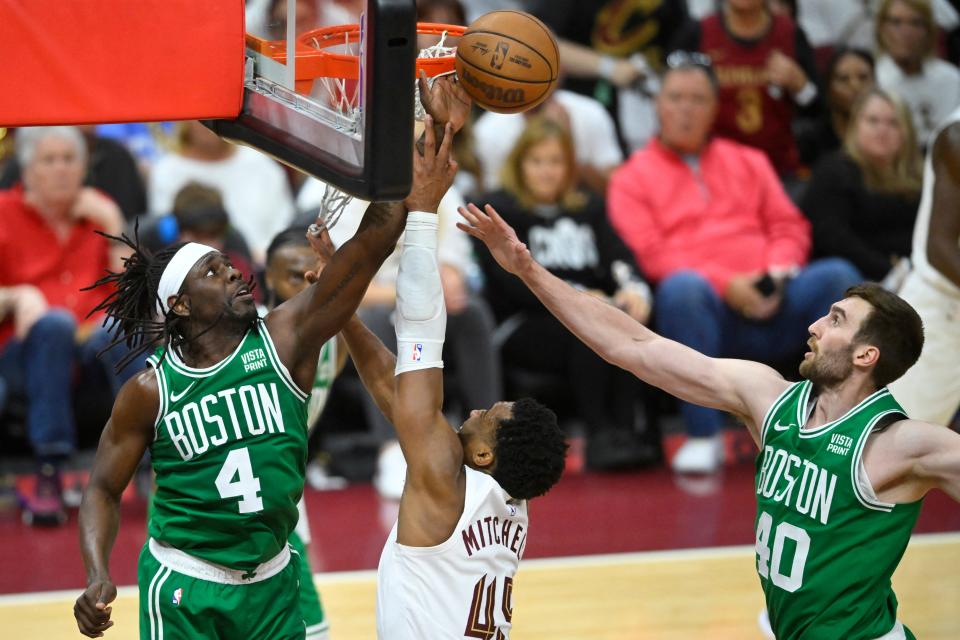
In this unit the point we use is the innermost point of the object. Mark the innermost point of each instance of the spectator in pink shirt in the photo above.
(710, 224)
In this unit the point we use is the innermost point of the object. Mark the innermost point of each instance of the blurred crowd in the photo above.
(719, 169)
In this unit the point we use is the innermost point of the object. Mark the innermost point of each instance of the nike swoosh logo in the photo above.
(175, 397)
(782, 427)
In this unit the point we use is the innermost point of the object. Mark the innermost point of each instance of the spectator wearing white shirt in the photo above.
(589, 123)
(829, 23)
(255, 189)
(906, 38)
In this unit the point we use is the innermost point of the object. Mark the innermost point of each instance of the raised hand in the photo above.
(92, 609)
(446, 101)
(433, 171)
(783, 71)
(500, 238)
(319, 239)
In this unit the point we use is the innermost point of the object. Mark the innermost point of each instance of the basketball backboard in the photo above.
(308, 103)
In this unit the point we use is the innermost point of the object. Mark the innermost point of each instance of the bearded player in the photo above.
(842, 471)
(222, 408)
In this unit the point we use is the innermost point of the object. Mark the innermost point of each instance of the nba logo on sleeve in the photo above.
(417, 352)
(177, 596)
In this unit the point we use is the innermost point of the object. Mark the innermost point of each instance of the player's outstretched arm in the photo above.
(420, 424)
(433, 494)
(125, 438)
(302, 325)
(917, 456)
(740, 387)
(375, 364)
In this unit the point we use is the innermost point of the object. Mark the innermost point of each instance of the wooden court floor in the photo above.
(672, 595)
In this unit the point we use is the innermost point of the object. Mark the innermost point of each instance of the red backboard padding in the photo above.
(88, 61)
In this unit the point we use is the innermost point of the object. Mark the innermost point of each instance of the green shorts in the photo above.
(177, 606)
(311, 607)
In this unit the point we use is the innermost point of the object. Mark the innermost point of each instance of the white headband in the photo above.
(176, 271)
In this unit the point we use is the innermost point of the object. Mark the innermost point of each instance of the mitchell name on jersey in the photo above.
(494, 530)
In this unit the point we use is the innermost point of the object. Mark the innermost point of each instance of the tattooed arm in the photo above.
(300, 326)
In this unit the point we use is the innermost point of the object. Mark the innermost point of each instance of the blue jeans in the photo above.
(688, 310)
(41, 367)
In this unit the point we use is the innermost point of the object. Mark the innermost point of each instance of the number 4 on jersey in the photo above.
(770, 567)
(480, 622)
(246, 486)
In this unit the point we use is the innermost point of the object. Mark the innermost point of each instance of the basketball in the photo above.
(508, 61)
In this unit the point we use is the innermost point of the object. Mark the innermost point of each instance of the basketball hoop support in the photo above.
(292, 130)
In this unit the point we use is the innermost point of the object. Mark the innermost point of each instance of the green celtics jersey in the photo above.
(826, 546)
(229, 454)
(322, 380)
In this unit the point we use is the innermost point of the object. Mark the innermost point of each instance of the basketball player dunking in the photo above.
(447, 568)
(841, 472)
(223, 409)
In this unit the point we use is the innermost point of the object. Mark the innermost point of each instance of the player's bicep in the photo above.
(936, 457)
(127, 434)
(735, 386)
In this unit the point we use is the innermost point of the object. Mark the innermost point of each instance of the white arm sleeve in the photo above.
(421, 313)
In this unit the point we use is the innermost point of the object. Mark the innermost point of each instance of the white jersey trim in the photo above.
(897, 633)
(153, 602)
(194, 567)
(765, 425)
(181, 367)
(162, 391)
(464, 520)
(867, 499)
(278, 365)
(303, 525)
(829, 426)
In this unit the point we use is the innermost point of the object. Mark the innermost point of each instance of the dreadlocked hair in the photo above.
(131, 307)
(530, 450)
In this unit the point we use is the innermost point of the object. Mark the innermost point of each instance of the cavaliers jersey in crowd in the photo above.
(461, 588)
(617, 28)
(751, 111)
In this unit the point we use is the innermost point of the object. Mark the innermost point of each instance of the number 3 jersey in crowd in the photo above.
(826, 546)
(462, 588)
(229, 454)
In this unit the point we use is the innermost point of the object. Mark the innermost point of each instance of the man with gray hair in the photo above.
(48, 251)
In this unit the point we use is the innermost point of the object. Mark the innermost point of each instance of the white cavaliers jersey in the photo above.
(463, 587)
(921, 265)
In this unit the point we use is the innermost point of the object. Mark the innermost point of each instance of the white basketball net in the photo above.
(339, 95)
(439, 50)
(332, 205)
(346, 103)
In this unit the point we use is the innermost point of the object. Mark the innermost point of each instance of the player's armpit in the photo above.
(909, 458)
(433, 494)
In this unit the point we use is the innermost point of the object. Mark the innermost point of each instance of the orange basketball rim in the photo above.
(315, 60)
